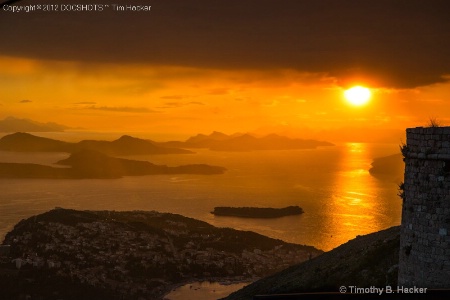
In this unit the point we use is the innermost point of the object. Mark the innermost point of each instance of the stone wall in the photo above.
(425, 240)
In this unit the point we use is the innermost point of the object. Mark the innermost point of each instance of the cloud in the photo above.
(85, 103)
(173, 104)
(218, 91)
(174, 97)
(25, 101)
(389, 42)
(181, 104)
(122, 109)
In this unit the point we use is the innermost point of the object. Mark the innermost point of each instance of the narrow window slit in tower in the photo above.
(446, 167)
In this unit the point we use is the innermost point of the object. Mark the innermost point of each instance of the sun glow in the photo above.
(357, 95)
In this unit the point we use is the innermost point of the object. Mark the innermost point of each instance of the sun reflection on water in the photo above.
(353, 206)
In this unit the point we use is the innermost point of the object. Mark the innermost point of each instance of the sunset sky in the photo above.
(234, 66)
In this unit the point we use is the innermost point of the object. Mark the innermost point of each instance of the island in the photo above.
(257, 212)
(125, 145)
(74, 254)
(218, 141)
(390, 168)
(128, 145)
(94, 164)
(12, 124)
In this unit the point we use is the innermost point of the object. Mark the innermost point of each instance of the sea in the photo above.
(339, 196)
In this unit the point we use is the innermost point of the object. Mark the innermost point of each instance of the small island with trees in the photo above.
(257, 212)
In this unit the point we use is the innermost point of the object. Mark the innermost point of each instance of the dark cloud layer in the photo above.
(399, 43)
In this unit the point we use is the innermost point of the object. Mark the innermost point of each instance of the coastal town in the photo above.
(142, 254)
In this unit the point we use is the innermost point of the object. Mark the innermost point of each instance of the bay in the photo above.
(332, 184)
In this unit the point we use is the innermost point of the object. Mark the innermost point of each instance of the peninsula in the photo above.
(71, 254)
(257, 212)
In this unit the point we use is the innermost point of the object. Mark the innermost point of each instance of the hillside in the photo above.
(369, 260)
(72, 254)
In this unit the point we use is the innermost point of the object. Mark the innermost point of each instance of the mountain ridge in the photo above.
(218, 141)
(125, 145)
(13, 124)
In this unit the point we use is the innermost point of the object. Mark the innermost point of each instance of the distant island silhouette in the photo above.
(94, 164)
(257, 212)
(128, 145)
(125, 145)
(218, 141)
(13, 124)
(389, 167)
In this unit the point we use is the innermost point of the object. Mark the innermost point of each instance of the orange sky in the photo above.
(271, 83)
(133, 98)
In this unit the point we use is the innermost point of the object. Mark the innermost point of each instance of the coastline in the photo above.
(221, 281)
(257, 212)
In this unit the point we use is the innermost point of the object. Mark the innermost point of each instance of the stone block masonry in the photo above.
(424, 259)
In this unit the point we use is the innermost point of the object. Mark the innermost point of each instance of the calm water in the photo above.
(203, 291)
(340, 198)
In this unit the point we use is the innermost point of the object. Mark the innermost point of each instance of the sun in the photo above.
(357, 95)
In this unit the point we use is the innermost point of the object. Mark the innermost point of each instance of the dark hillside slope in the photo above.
(365, 261)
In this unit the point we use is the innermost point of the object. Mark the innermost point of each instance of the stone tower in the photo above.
(424, 259)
